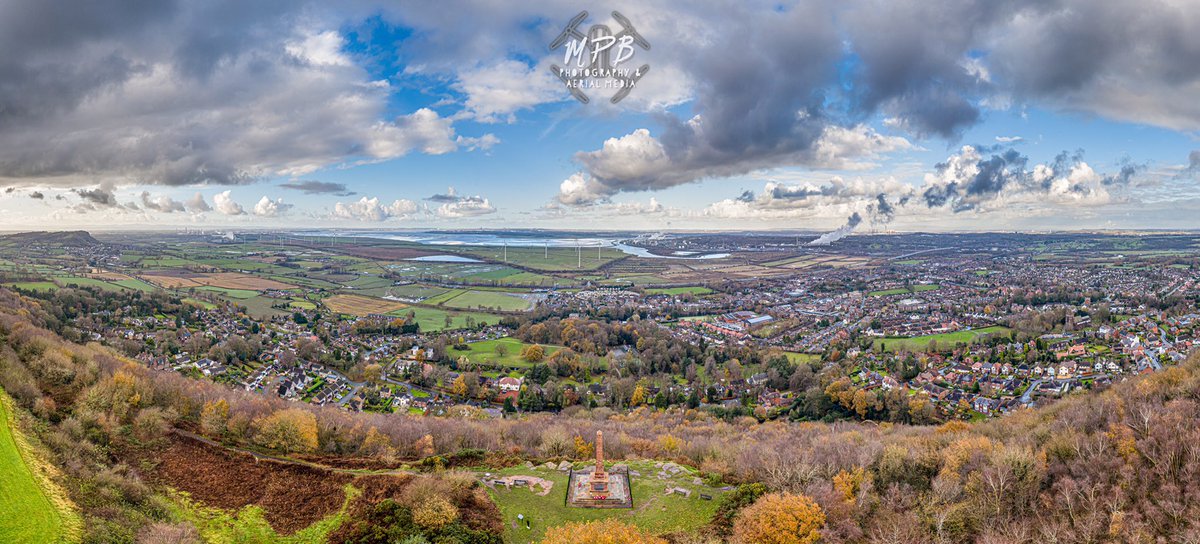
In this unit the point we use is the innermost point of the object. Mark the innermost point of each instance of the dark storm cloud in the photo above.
(318, 188)
(37, 195)
(211, 92)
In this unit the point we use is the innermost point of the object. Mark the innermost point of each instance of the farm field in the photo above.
(484, 352)
(27, 513)
(944, 341)
(653, 510)
(33, 285)
(360, 305)
(469, 300)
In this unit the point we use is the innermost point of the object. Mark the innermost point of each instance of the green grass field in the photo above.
(434, 319)
(653, 510)
(944, 341)
(27, 512)
(484, 353)
(798, 358)
(901, 290)
(33, 285)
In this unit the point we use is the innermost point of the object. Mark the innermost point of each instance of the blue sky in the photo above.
(752, 116)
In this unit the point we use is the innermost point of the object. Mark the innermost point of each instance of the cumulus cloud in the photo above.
(161, 203)
(311, 187)
(224, 203)
(833, 198)
(968, 180)
(371, 209)
(268, 207)
(197, 204)
(640, 162)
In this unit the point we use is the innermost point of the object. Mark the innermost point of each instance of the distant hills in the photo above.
(71, 238)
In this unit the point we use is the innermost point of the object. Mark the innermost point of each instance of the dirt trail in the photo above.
(291, 461)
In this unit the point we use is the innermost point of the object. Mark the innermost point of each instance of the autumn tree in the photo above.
(583, 448)
(533, 353)
(424, 446)
(372, 373)
(122, 395)
(459, 387)
(293, 429)
(605, 531)
(639, 396)
(376, 444)
(214, 417)
(780, 518)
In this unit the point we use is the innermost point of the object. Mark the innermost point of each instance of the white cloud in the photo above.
(266, 207)
(370, 209)
(197, 204)
(160, 203)
(495, 92)
(225, 204)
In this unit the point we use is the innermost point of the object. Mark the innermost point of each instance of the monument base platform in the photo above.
(618, 495)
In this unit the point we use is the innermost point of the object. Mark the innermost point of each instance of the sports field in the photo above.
(945, 341)
(903, 291)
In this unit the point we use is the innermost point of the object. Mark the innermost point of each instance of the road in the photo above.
(1028, 396)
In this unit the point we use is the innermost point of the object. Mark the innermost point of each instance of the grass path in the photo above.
(32, 508)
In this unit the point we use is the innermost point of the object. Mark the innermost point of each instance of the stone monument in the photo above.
(599, 488)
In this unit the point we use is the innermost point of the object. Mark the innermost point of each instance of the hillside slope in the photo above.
(74, 238)
(32, 507)
(1112, 466)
